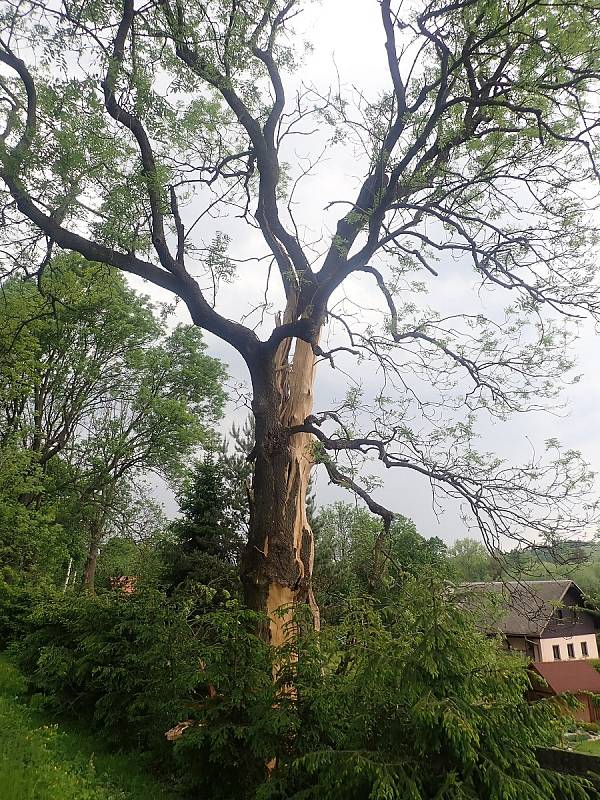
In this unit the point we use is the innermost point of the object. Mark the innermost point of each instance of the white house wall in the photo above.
(547, 653)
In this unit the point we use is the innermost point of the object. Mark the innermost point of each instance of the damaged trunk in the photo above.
(96, 536)
(89, 570)
(278, 561)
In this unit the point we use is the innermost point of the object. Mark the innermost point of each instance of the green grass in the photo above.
(44, 760)
(590, 747)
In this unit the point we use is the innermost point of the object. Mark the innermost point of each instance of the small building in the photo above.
(544, 620)
(126, 583)
(577, 678)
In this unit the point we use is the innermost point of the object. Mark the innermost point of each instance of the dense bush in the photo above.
(238, 727)
(411, 701)
(128, 662)
(41, 759)
(137, 665)
(407, 700)
(17, 598)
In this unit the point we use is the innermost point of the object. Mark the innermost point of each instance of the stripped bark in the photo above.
(278, 562)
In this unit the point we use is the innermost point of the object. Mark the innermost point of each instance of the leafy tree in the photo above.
(168, 400)
(29, 535)
(133, 545)
(207, 541)
(105, 396)
(344, 553)
(33, 546)
(126, 126)
(421, 704)
(63, 347)
(471, 561)
(417, 703)
(356, 558)
(131, 662)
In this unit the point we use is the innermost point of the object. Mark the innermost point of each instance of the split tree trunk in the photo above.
(89, 569)
(278, 560)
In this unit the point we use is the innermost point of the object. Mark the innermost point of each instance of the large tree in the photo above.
(353, 561)
(168, 399)
(129, 125)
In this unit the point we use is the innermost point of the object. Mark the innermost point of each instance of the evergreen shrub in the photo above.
(406, 699)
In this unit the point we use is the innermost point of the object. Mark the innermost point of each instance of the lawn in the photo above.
(591, 747)
(44, 760)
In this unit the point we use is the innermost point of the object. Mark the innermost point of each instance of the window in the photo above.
(556, 652)
(584, 649)
(560, 616)
(571, 650)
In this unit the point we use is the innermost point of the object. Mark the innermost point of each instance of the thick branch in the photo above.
(128, 120)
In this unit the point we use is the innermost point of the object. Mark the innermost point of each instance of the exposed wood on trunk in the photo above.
(298, 404)
(89, 570)
(277, 568)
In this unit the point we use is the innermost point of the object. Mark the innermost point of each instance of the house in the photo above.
(574, 677)
(544, 620)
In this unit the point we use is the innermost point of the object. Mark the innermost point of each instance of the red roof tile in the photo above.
(569, 676)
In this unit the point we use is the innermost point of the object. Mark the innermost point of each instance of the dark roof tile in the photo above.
(526, 606)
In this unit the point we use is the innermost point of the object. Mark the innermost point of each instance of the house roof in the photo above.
(568, 676)
(526, 606)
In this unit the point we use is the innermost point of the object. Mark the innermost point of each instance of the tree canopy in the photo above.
(128, 126)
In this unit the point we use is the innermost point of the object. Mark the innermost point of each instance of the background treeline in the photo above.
(136, 624)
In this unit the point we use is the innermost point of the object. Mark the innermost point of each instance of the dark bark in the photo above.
(97, 528)
(91, 562)
(469, 85)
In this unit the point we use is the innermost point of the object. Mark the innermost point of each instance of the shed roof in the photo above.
(526, 606)
(568, 676)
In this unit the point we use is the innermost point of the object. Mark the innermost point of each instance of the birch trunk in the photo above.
(66, 584)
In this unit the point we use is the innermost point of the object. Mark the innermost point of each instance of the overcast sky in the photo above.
(347, 39)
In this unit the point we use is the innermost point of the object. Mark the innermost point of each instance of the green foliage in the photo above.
(470, 562)
(407, 700)
(345, 538)
(31, 542)
(17, 597)
(417, 704)
(97, 392)
(137, 665)
(354, 557)
(207, 541)
(41, 760)
(124, 661)
(204, 546)
(240, 719)
(123, 556)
